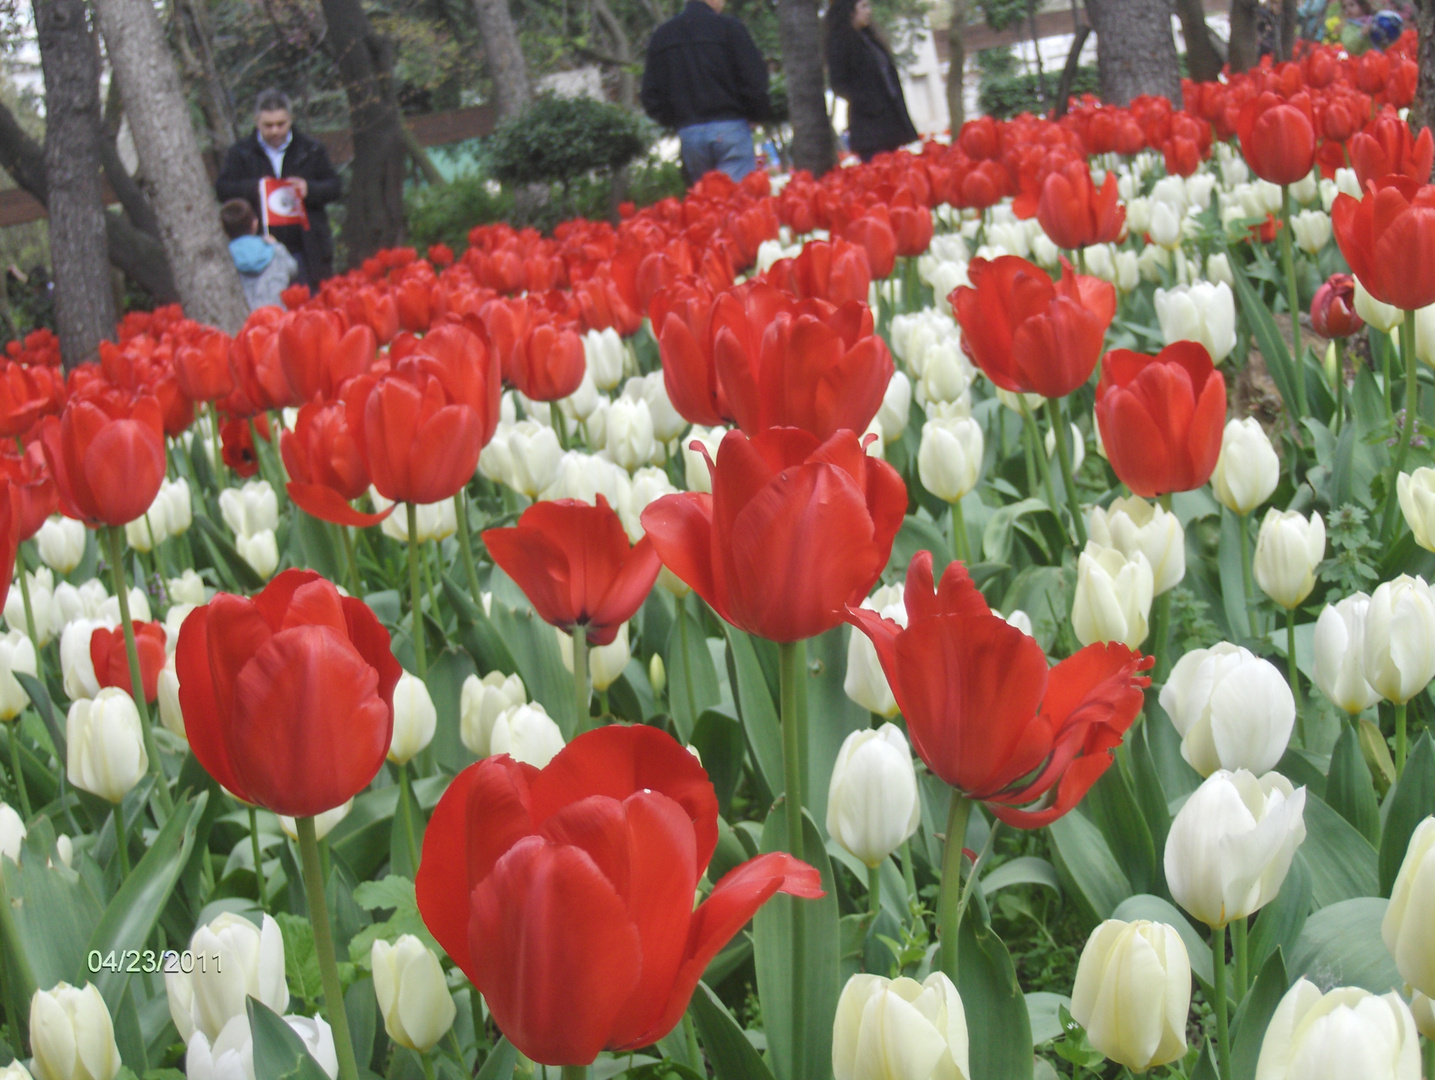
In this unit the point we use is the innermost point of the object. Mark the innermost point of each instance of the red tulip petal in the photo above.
(326, 504)
(205, 724)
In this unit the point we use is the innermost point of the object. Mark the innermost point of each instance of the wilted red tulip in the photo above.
(794, 530)
(574, 563)
(1161, 417)
(1075, 213)
(202, 367)
(111, 661)
(1277, 137)
(1386, 146)
(1028, 333)
(1388, 238)
(106, 454)
(288, 696)
(985, 713)
(566, 894)
(1332, 311)
(326, 470)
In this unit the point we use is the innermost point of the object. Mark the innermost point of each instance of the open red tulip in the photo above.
(106, 454)
(111, 659)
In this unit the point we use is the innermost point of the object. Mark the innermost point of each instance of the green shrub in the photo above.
(446, 214)
(560, 139)
(1007, 95)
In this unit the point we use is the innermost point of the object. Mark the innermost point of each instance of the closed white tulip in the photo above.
(1132, 993)
(15, 1071)
(1289, 547)
(324, 823)
(1231, 844)
(72, 1035)
(434, 521)
(1400, 638)
(188, 588)
(231, 1055)
(105, 745)
(412, 994)
(480, 703)
(167, 696)
(260, 551)
(250, 509)
(900, 1029)
(896, 407)
(1311, 229)
(43, 608)
(1340, 654)
(1113, 596)
(586, 476)
(12, 832)
(1248, 469)
(949, 459)
(109, 609)
(1164, 227)
(946, 374)
(234, 961)
(1203, 311)
(76, 668)
(649, 485)
(526, 733)
(178, 508)
(605, 662)
(415, 719)
(865, 682)
(1076, 446)
(61, 541)
(1341, 1035)
(148, 531)
(629, 434)
(1421, 1007)
(86, 601)
(1416, 492)
(1233, 709)
(1218, 270)
(872, 803)
(1380, 315)
(1409, 925)
(533, 455)
(17, 655)
(668, 423)
(603, 350)
(1131, 524)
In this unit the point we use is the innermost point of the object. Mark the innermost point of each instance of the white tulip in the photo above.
(526, 733)
(1128, 271)
(1400, 638)
(1231, 844)
(170, 714)
(1133, 992)
(234, 961)
(231, 1055)
(480, 703)
(17, 654)
(603, 350)
(872, 803)
(46, 613)
(649, 485)
(1076, 446)
(110, 607)
(1165, 225)
(695, 465)
(1113, 596)
(1346, 1033)
(1339, 668)
(76, 667)
(1311, 229)
(1416, 492)
(1380, 315)
(1306, 189)
(188, 588)
(173, 624)
(433, 521)
(1131, 524)
(260, 551)
(494, 461)
(1153, 262)
(415, 719)
(533, 453)
(1248, 469)
(178, 508)
(1202, 312)
(896, 406)
(946, 374)
(72, 1035)
(1289, 547)
(949, 460)
(1233, 709)
(323, 823)
(1021, 620)
(412, 994)
(61, 541)
(105, 745)
(586, 476)
(605, 662)
(1421, 1008)
(900, 1029)
(1409, 924)
(15, 1071)
(84, 601)
(12, 833)
(865, 682)
(1218, 270)
(149, 530)
(250, 509)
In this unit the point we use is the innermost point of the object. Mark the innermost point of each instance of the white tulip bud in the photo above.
(76, 667)
(480, 703)
(494, 460)
(234, 961)
(1346, 1033)
(603, 349)
(1248, 469)
(586, 476)
(260, 551)
(178, 508)
(668, 423)
(149, 530)
(434, 521)
(872, 803)
(1339, 668)
(1416, 492)
(231, 1055)
(949, 460)
(1233, 709)
(1231, 844)
(173, 624)
(1218, 270)
(61, 541)
(15, 1071)
(865, 682)
(12, 833)
(43, 608)
(1312, 230)
(1289, 547)
(695, 465)
(649, 485)
(1421, 1008)
(84, 601)
(1076, 446)
(412, 994)
(105, 745)
(657, 674)
(605, 662)
(1409, 924)
(1131, 524)
(946, 374)
(188, 588)
(1348, 182)
(167, 686)
(250, 509)
(896, 407)
(1153, 262)
(526, 733)
(1113, 596)
(1202, 312)
(533, 457)
(629, 440)
(1400, 638)
(900, 1029)
(1425, 335)
(17, 654)
(1021, 620)
(72, 1035)
(415, 719)
(1133, 992)
(1165, 225)
(109, 611)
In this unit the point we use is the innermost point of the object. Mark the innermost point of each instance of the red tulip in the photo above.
(202, 367)
(288, 696)
(318, 355)
(1386, 146)
(106, 454)
(1161, 417)
(111, 660)
(325, 467)
(236, 439)
(683, 315)
(875, 234)
(566, 894)
(983, 710)
(913, 228)
(1277, 137)
(32, 488)
(1332, 311)
(1028, 333)
(1388, 238)
(793, 531)
(254, 360)
(574, 563)
(26, 394)
(1076, 214)
(10, 523)
(549, 364)
(835, 272)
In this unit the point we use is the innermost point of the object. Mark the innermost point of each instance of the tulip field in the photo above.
(966, 617)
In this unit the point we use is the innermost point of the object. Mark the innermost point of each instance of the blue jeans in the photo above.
(725, 145)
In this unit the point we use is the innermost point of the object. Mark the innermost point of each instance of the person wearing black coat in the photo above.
(861, 69)
(277, 149)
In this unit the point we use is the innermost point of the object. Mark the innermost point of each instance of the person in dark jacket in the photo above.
(706, 79)
(861, 68)
(276, 149)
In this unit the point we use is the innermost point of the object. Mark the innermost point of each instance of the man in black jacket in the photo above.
(706, 79)
(276, 149)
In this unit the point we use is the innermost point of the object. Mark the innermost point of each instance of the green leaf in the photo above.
(1155, 909)
(1087, 866)
(1410, 802)
(1044, 1011)
(40, 700)
(53, 912)
(500, 1062)
(798, 1028)
(475, 632)
(301, 958)
(1342, 862)
(1278, 925)
(446, 676)
(1268, 337)
(718, 740)
(130, 918)
(995, 1005)
(692, 678)
(996, 537)
(1341, 946)
(316, 546)
(1232, 574)
(728, 1048)
(1254, 1014)
(839, 715)
(1112, 805)
(1348, 787)
(534, 647)
(1025, 870)
(279, 1053)
(1206, 1064)
(757, 711)
(240, 572)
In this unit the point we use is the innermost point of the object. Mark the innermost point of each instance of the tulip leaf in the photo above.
(446, 676)
(476, 632)
(1278, 925)
(1044, 1009)
(500, 1062)
(826, 669)
(995, 1006)
(1087, 866)
(317, 545)
(718, 740)
(1268, 338)
(1155, 909)
(1206, 1068)
(534, 647)
(1026, 870)
(1348, 787)
(279, 1052)
(1341, 946)
(732, 1055)
(130, 918)
(798, 990)
(51, 913)
(1232, 573)
(692, 678)
(1112, 805)
(1248, 1030)
(996, 537)
(758, 713)
(1409, 802)
(1150, 796)
(226, 558)
(1342, 862)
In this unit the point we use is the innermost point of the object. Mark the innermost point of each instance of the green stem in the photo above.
(1248, 578)
(1034, 445)
(949, 917)
(1387, 348)
(258, 854)
(560, 426)
(909, 873)
(221, 478)
(356, 586)
(465, 546)
(687, 664)
(792, 657)
(690, 1035)
(1293, 298)
(1407, 431)
(324, 947)
(427, 1066)
(582, 696)
(115, 551)
(1338, 384)
(575, 1072)
(1223, 1023)
(960, 545)
(416, 595)
(1061, 433)
(874, 889)
(122, 847)
(1293, 670)
(1243, 959)
(406, 812)
(29, 613)
(1401, 738)
(1160, 635)
(15, 767)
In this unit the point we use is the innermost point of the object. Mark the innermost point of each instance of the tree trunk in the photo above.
(192, 33)
(814, 147)
(375, 213)
(1422, 109)
(957, 65)
(1245, 46)
(506, 66)
(1288, 29)
(173, 171)
(84, 300)
(1068, 73)
(1135, 52)
(1203, 63)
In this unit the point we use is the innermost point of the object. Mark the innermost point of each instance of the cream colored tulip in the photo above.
(1133, 993)
(1400, 638)
(105, 751)
(1339, 668)
(415, 719)
(1233, 709)
(72, 1035)
(865, 682)
(526, 733)
(1289, 547)
(1248, 469)
(1380, 315)
(1409, 924)
(872, 803)
(250, 509)
(1416, 492)
(234, 961)
(17, 656)
(260, 551)
(900, 1029)
(1131, 524)
(61, 541)
(324, 823)
(12, 833)
(533, 455)
(1341, 1035)
(1203, 312)
(480, 703)
(167, 687)
(1113, 596)
(605, 662)
(412, 994)
(949, 458)
(1311, 229)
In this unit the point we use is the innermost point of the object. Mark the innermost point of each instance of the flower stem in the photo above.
(792, 656)
(1401, 739)
(1160, 635)
(690, 1035)
(122, 847)
(406, 811)
(115, 551)
(560, 426)
(949, 907)
(465, 546)
(1223, 1025)
(687, 664)
(421, 664)
(20, 787)
(427, 1066)
(909, 874)
(575, 1072)
(874, 889)
(1293, 298)
(356, 585)
(1242, 951)
(29, 613)
(258, 854)
(1407, 431)
(324, 948)
(960, 546)
(582, 695)
(1034, 444)
(1294, 670)
(1061, 432)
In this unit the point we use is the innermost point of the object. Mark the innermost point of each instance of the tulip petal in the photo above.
(326, 504)
(204, 723)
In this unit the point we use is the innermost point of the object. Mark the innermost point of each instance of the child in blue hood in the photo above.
(265, 266)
